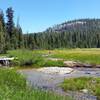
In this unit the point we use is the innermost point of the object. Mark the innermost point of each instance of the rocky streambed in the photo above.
(51, 78)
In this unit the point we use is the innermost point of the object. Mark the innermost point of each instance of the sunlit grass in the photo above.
(39, 58)
(13, 87)
(84, 55)
(77, 84)
(35, 59)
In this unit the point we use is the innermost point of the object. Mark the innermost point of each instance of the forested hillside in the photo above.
(82, 33)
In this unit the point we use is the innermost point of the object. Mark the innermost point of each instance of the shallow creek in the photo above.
(51, 81)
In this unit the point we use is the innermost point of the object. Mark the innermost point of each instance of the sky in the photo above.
(37, 15)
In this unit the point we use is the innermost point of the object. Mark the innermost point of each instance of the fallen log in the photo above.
(5, 61)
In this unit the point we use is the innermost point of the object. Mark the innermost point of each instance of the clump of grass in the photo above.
(13, 87)
(22, 57)
(26, 58)
(77, 84)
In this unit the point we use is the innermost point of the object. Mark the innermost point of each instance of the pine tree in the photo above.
(20, 36)
(10, 27)
(2, 32)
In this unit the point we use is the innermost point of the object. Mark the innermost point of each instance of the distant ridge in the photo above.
(79, 24)
(81, 33)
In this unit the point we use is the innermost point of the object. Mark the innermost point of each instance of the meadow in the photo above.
(13, 86)
(28, 58)
(40, 58)
(91, 55)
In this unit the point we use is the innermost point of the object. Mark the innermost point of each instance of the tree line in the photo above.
(11, 35)
(82, 33)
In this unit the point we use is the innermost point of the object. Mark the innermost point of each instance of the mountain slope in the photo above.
(76, 25)
(82, 33)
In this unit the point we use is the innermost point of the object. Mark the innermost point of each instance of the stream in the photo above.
(51, 82)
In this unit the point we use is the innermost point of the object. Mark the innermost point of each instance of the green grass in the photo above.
(39, 58)
(13, 87)
(91, 56)
(77, 84)
(25, 58)
(53, 63)
(28, 58)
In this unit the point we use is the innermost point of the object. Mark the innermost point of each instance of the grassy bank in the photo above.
(13, 87)
(77, 84)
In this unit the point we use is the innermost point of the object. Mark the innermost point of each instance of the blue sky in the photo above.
(37, 15)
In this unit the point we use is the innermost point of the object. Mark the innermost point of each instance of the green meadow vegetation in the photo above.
(91, 56)
(77, 84)
(40, 58)
(29, 58)
(13, 86)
